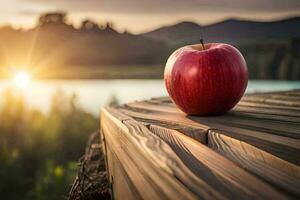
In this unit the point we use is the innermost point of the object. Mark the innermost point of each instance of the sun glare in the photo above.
(22, 79)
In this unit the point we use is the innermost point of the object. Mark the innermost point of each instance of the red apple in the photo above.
(206, 81)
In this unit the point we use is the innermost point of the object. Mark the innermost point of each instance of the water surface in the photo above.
(94, 94)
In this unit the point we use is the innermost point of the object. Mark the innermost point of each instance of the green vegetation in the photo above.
(270, 60)
(273, 60)
(105, 72)
(38, 152)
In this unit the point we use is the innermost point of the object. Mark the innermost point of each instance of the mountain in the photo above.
(271, 49)
(176, 34)
(57, 49)
(231, 31)
(55, 43)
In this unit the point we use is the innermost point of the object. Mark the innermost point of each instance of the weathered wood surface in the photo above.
(91, 181)
(154, 151)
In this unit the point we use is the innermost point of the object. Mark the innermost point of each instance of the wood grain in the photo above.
(251, 152)
(272, 169)
(219, 172)
(150, 161)
(283, 147)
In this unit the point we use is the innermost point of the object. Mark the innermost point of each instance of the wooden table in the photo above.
(154, 151)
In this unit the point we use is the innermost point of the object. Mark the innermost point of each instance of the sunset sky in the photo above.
(142, 15)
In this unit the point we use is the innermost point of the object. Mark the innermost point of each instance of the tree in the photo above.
(89, 25)
(54, 17)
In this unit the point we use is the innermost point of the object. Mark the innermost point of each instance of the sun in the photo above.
(22, 79)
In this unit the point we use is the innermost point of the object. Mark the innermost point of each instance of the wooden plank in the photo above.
(258, 105)
(173, 121)
(252, 151)
(272, 126)
(257, 112)
(122, 186)
(238, 119)
(277, 172)
(169, 165)
(270, 112)
(273, 95)
(219, 172)
(293, 93)
(150, 163)
(266, 116)
(276, 100)
(283, 147)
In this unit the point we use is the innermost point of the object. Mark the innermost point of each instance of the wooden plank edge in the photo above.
(278, 172)
(158, 166)
(283, 147)
(221, 170)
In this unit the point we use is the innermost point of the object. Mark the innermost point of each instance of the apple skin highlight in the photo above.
(206, 81)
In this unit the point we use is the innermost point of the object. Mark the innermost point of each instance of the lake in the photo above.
(94, 94)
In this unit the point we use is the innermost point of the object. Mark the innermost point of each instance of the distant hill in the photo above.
(55, 43)
(271, 49)
(177, 34)
(231, 31)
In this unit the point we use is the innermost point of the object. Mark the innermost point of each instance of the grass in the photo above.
(39, 152)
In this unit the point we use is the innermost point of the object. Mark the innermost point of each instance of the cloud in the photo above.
(170, 6)
(29, 12)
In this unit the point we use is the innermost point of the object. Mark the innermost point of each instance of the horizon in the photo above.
(78, 24)
(143, 16)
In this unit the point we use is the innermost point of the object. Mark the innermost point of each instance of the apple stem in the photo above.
(202, 42)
